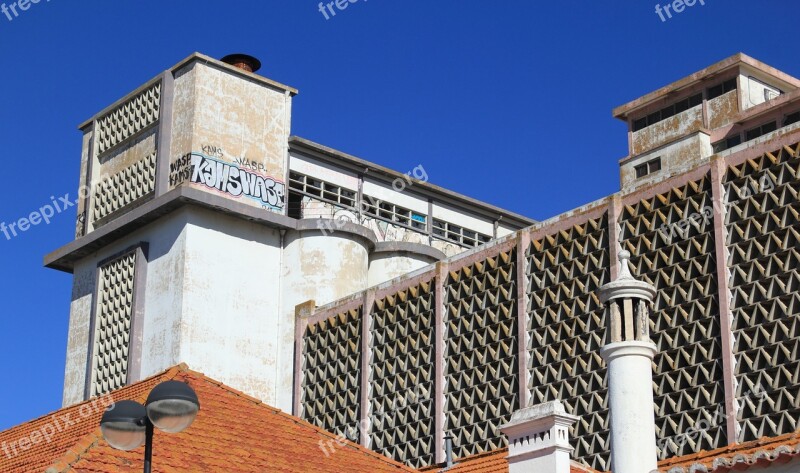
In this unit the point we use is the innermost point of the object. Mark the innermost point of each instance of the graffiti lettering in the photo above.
(232, 180)
(213, 151)
(179, 170)
(252, 165)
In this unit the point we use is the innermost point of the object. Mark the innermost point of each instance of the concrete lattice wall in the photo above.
(726, 321)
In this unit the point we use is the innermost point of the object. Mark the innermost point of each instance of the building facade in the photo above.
(395, 313)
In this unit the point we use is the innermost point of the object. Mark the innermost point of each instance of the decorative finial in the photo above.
(624, 271)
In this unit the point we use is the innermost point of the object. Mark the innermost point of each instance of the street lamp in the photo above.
(171, 406)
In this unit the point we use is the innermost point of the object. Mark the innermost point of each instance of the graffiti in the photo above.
(180, 170)
(251, 165)
(213, 151)
(232, 180)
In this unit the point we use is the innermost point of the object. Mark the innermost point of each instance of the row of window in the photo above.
(456, 234)
(331, 193)
(683, 105)
(394, 213)
(324, 190)
(753, 133)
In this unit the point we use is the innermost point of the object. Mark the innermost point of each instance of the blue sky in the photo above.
(506, 101)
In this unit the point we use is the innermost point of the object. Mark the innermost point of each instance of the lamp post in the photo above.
(171, 406)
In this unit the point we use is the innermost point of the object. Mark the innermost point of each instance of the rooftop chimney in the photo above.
(243, 61)
(629, 355)
(538, 439)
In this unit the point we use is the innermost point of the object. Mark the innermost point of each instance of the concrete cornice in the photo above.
(418, 249)
(710, 72)
(65, 257)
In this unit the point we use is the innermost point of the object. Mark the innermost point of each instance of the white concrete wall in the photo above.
(754, 89)
(230, 305)
(324, 171)
(212, 300)
(453, 215)
(389, 265)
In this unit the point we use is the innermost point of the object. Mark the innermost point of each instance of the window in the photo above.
(324, 190)
(668, 112)
(649, 167)
(451, 232)
(727, 143)
(760, 131)
(723, 88)
(395, 213)
(791, 118)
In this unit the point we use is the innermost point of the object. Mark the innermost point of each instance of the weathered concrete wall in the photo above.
(230, 304)
(82, 200)
(162, 302)
(226, 118)
(723, 110)
(665, 131)
(83, 282)
(677, 157)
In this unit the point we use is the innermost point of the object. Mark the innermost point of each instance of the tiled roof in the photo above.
(232, 433)
(236, 433)
(489, 462)
(739, 457)
(733, 458)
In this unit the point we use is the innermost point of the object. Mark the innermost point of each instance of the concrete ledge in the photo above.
(337, 226)
(65, 257)
(417, 249)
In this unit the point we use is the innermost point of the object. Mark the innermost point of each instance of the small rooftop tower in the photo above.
(629, 355)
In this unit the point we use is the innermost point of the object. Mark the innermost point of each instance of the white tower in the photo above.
(629, 355)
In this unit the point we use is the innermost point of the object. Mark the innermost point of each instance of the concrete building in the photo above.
(395, 313)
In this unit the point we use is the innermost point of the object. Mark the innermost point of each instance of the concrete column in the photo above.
(538, 439)
(630, 399)
(629, 356)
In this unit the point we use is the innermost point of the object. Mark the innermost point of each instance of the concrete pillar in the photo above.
(629, 355)
(538, 439)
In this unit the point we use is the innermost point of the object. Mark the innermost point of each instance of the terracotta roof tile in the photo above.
(236, 433)
(232, 433)
(739, 457)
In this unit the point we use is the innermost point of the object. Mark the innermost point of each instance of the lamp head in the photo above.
(123, 425)
(172, 406)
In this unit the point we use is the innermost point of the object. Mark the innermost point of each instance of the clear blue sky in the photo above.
(505, 101)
